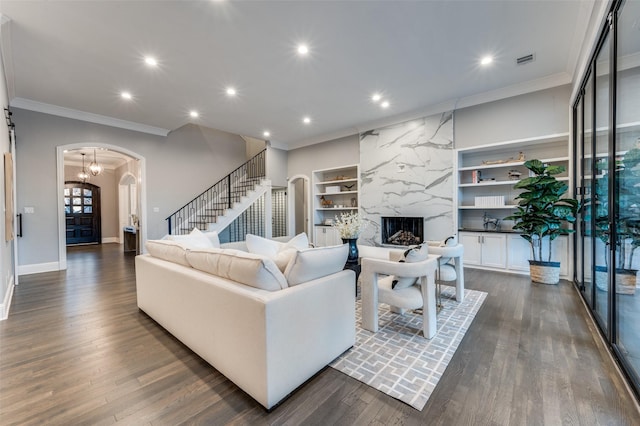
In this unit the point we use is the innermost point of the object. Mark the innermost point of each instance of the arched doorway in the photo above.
(140, 192)
(299, 206)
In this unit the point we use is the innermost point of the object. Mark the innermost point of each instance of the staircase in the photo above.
(221, 204)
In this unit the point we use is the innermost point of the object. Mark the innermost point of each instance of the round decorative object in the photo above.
(353, 249)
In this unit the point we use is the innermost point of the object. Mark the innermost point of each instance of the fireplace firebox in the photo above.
(402, 231)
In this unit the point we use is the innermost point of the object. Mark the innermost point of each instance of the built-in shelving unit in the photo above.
(486, 176)
(335, 191)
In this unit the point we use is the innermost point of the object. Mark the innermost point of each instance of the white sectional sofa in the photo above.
(267, 331)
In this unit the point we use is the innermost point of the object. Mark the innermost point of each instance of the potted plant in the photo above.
(541, 213)
(349, 226)
(626, 222)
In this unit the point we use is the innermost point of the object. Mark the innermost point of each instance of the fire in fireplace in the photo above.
(402, 231)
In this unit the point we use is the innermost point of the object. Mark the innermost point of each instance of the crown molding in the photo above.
(36, 106)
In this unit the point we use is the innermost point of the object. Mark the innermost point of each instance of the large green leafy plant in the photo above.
(627, 197)
(541, 210)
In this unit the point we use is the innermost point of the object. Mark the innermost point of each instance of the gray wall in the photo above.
(277, 167)
(178, 167)
(534, 114)
(334, 153)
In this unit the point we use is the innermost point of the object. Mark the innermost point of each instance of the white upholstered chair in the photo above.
(376, 281)
(450, 265)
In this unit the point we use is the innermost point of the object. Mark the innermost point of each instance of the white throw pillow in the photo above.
(171, 251)
(280, 253)
(195, 240)
(235, 265)
(213, 237)
(312, 263)
(412, 255)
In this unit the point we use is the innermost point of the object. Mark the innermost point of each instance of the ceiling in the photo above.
(74, 58)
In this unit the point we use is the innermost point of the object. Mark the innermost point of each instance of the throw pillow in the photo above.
(412, 255)
(312, 263)
(171, 251)
(280, 253)
(235, 265)
(213, 237)
(194, 240)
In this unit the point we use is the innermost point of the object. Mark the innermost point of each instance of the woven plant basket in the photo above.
(625, 281)
(544, 272)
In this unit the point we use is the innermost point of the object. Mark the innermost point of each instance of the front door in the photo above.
(82, 212)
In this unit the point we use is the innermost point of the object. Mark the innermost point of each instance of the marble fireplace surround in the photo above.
(406, 170)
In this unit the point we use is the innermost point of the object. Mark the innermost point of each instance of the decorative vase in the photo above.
(544, 272)
(353, 249)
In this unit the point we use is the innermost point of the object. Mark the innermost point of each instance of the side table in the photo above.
(355, 267)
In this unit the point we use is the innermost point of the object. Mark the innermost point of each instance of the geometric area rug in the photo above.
(398, 360)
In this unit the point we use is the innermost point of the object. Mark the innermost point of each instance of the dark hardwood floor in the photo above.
(76, 350)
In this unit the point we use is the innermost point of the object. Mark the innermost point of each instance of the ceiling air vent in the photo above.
(526, 59)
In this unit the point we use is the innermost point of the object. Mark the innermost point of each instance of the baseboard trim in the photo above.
(6, 304)
(109, 240)
(37, 268)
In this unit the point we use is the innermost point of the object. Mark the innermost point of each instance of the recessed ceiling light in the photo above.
(486, 60)
(376, 97)
(194, 114)
(266, 133)
(303, 49)
(231, 91)
(151, 61)
(126, 95)
(306, 120)
(384, 104)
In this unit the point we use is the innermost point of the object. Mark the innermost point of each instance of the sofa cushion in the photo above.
(412, 255)
(171, 251)
(194, 240)
(280, 253)
(312, 263)
(235, 265)
(213, 237)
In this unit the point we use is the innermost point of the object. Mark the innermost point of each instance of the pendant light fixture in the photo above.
(94, 167)
(83, 175)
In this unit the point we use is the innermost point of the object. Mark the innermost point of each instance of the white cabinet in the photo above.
(484, 249)
(324, 236)
(335, 191)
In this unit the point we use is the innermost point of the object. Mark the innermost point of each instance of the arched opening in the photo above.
(134, 180)
(299, 206)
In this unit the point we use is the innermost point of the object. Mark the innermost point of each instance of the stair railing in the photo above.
(211, 203)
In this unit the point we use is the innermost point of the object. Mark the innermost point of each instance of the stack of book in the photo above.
(490, 201)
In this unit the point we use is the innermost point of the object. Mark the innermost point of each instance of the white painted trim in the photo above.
(142, 195)
(86, 116)
(6, 304)
(109, 240)
(36, 268)
(534, 139)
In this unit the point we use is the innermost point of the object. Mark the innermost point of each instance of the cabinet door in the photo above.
(472, 248)
(333, 237)
(518, 253)
(494, 250)
(320, 236)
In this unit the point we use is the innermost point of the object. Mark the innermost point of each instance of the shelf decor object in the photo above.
(541, 212)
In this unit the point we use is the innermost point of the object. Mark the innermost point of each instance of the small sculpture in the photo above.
(509, 160)
(490, 222)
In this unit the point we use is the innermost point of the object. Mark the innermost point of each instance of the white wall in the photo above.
(277, 167)
(6, 248)
(534, 114)
(178, 167)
